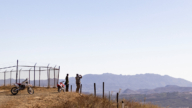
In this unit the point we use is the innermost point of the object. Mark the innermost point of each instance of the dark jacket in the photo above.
(66, 80)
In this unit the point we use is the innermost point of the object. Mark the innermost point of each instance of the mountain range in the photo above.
(133, 82)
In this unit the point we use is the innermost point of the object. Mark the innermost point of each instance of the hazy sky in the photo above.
(97, 36)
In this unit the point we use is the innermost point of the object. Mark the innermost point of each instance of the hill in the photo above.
(50, 98)
(173, 99)
(170, 95)
(134, 82)
(168, 88)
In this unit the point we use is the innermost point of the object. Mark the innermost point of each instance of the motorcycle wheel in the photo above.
(59, 89)
(14, 90)
(30, 90)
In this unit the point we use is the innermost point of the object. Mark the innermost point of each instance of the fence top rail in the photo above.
(20, 66)
(26, 70)
(7, 67)
(37, 66)
(30, 66)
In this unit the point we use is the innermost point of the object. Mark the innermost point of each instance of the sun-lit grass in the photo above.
(89, 101)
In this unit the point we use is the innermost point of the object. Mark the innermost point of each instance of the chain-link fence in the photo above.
(39, 76)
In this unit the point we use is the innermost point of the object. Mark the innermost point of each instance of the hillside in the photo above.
(134, 82)
(50, 98)
(168, 88)
(174, 99)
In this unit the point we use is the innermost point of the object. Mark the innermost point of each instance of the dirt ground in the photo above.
(42, 97)
(50, 98)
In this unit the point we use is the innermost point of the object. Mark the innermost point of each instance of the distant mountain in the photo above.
(168, 88)
(115, 82)
(133, 82)
(128, 91)
(164, 100)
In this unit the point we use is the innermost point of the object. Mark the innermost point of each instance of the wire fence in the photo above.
(38, 76)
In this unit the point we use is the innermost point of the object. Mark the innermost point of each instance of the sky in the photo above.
(125, 37)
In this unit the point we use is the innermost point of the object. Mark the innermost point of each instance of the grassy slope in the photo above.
(174, 99)
(44, 97)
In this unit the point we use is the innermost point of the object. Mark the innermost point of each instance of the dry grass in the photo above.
(89, 101)
(50, 98)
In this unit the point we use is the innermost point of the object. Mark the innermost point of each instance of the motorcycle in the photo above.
(61, 86)
(20, 86)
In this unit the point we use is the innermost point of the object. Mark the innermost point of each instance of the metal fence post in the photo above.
(103, 90)
(48, 75)
(58, 75)
(19, 75)
(39, 75)
(10, 76)
(4, 77)
(95, 89)
(109, 99)
(17, 70)
(117, 99)
(29, 75)
(34, 74)
(54, 76)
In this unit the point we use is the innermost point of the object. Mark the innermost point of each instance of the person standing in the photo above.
(67, 82)
(78, 82)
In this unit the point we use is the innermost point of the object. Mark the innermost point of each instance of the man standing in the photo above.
(67, 82)
(78, 82)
